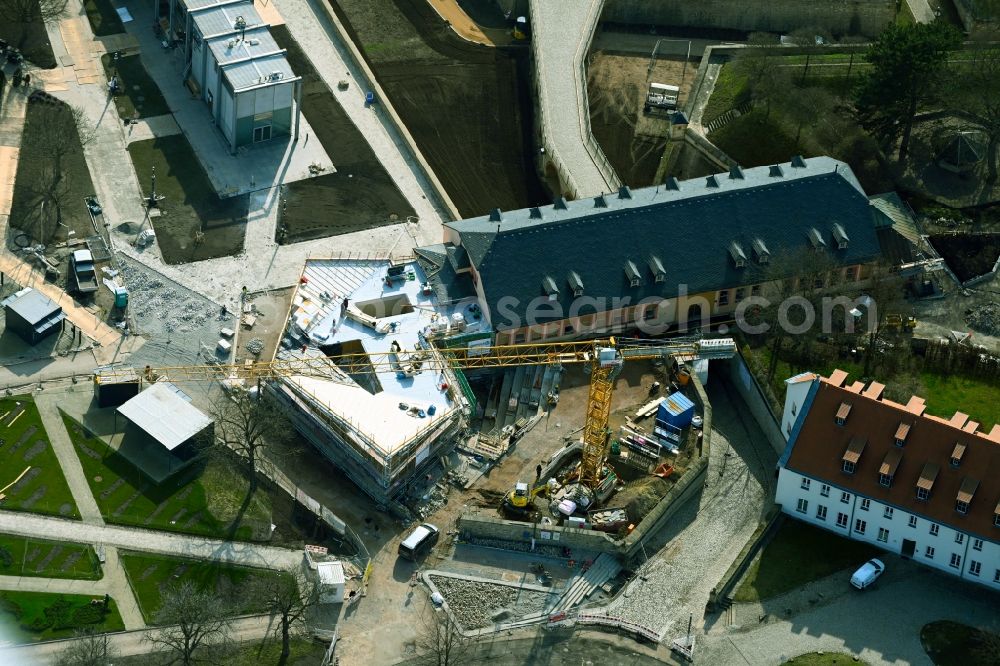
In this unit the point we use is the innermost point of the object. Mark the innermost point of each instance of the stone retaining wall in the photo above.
(756, 400)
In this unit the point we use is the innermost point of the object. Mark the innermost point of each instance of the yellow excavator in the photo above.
(604, 356)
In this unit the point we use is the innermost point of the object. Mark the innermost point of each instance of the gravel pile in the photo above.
(985, 318)
(474, 604)
(255, 345)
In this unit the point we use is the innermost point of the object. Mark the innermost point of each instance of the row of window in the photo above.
(861, 525)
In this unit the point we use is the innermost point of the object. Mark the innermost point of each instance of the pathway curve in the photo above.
(562, 31)
(167, 543)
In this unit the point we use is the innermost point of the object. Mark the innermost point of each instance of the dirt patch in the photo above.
(633, 140)
(192, 222)
(270, 309)
(36, 448)
(467, 106)
(968, 255)
(361, 194)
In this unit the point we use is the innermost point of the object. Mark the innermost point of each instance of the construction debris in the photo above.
(478, 604)
(985, 318)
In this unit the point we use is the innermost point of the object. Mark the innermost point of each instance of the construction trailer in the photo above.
(32, 315)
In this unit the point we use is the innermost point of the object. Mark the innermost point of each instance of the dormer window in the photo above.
(996, 516)
(889, 466)
(926, 481)
(632, 273)
(840, 236)
(956, 454)
(575, 283)
(737, 254)
(901, 432)
(550, 288)
(853, 454)
(842, 413)
(657, 269)
(761, 252)
(816, 239)
(965, 493)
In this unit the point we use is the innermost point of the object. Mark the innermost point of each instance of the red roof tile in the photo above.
(867, 437)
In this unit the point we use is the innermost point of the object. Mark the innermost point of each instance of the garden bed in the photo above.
(42, 616)
(29, 460)
(24, 556)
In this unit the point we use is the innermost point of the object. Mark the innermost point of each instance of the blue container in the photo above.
(431, 410)
(369, 98)
(676, 410)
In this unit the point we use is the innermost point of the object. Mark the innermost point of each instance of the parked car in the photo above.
(419, 542)
(867, 574)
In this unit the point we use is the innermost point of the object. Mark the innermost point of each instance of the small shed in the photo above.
(165, 413)
(677, 410)
(331, 582)
(32, 315)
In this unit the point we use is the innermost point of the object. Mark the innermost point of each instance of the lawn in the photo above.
(31, 39)
(140, 96)
(304, 652)
(194, 223)
(953, 644)
(42, 616)
(23, 556)
(947, 394)
(33, 208)
(147, 574)
(104, 20)
(824, 659)
(833, 132)
(28, 459)
(202, 498)
(790, 560)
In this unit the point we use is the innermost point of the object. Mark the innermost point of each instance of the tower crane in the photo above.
(603, 356)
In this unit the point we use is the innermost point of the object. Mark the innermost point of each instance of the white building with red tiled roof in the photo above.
(888, 473)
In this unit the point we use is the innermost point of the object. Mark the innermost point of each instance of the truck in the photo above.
(661, 96)
(84, 274)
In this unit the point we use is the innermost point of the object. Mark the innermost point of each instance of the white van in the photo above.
(419, 543)
(867, 573)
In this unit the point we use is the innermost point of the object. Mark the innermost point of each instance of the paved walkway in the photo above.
(48, 410)
(151, 128)
(562, 30)
(129, 643)
(167, 543)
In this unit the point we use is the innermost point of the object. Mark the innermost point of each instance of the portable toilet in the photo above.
(121, 297)
(676, 410)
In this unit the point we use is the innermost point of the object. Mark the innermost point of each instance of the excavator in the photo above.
(603, 357)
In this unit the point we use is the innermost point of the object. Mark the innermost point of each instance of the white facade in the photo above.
(796, 390)
(940, 546)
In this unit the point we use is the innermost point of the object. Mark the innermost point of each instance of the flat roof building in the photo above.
(235, 66)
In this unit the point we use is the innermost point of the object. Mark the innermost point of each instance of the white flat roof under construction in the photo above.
(317, 313)
(166, 414)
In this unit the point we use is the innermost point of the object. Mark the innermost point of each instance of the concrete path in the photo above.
(129, 643)
(151, 128)
(167, 543)
(48, 410)
(562, 30)
(921, 10)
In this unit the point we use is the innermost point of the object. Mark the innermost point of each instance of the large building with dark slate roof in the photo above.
(684, 251)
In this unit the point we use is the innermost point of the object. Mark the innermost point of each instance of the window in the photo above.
(885, 480)
(568, 329)
(996, 576)
(956, 560)
(888, 512)
(803, 506)
(923, 493)
(866, 504)
(860, 526)
(851, 273)
(805, 483)
(934, 529)
(848, 465)
(975, 567)
(841, 520)
(518, 338)
(959, 538)
(741, 293)
(913, 521)
(962, 507)
(845, 498)
(996, 520)
(929, 553)
(824, 490)
(650, 313)
(821, 512)
(755, 290)
(883, 534)
(977, 544)
(724, 297)
(818, 282)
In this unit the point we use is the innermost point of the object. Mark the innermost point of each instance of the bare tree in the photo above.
(252, 426)
(977, 91)
(28, 11)
(810, 41)
(193, 621)
(289, 598)
(57, 131)
(89, 648)
(441, 641)
(807, 106)
(885, 289)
